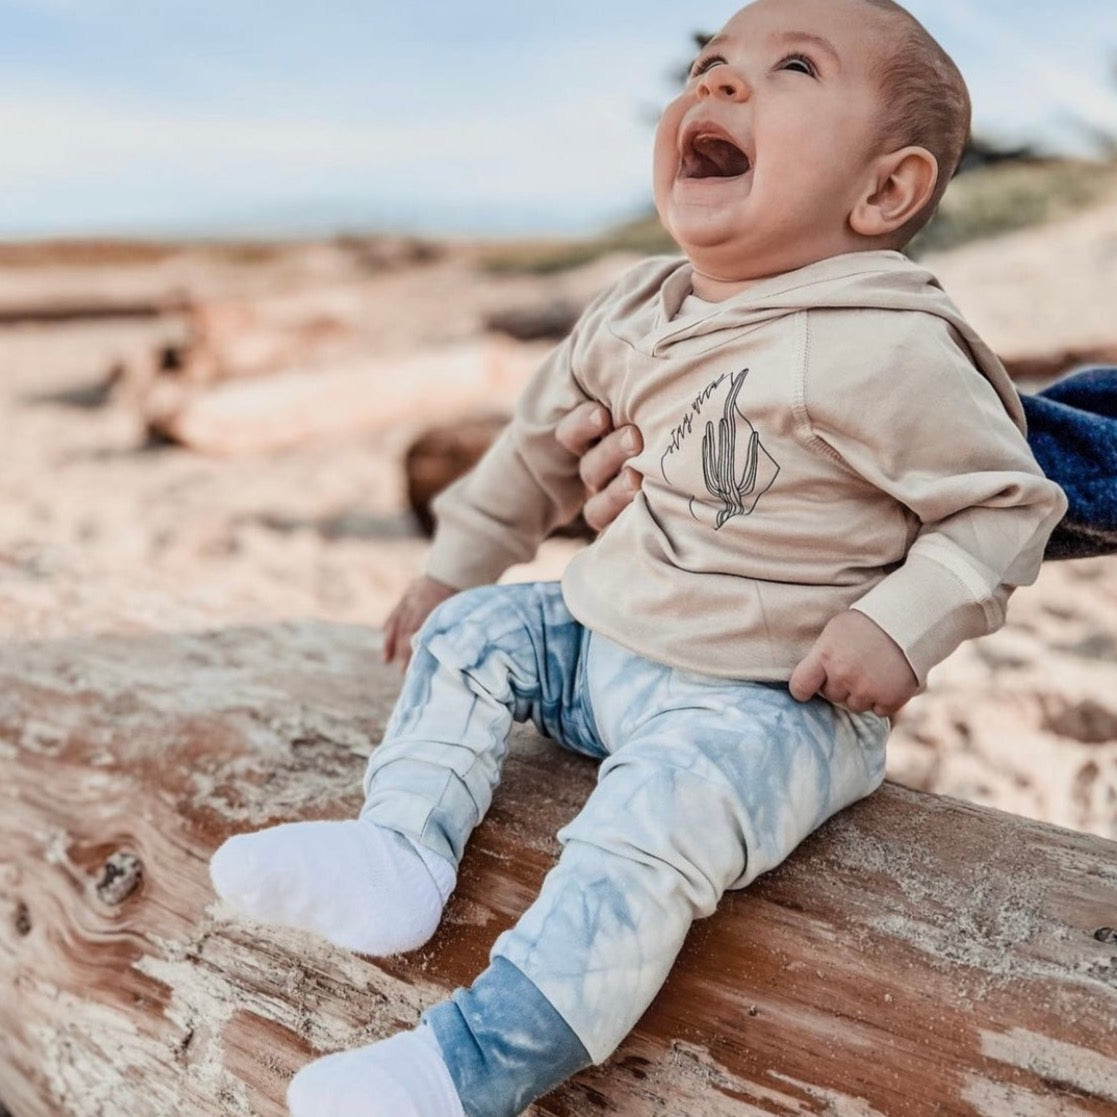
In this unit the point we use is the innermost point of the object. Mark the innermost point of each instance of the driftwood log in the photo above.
(917, 956)
(87, 309)
(549, 321)
(1044, 367)
(441, 454)
(244, 415)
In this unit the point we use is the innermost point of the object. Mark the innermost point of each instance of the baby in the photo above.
(836, 492)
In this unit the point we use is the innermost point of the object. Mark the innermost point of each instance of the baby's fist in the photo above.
(418, 602)
(856, 664)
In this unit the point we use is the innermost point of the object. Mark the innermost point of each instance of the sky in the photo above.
(232, 117)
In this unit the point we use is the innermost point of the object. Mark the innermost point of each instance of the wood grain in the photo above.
(918, 956)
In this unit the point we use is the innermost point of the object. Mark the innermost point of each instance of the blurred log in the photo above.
(917, 956)
(257, 337)
(442, 454)
(232, 338)
(87, 309)
(363, 394)
(1044, 367)
(549, 321)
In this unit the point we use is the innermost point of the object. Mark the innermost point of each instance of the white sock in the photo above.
(404, 1076)
(358, 885)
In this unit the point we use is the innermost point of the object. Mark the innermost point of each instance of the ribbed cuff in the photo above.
(463, 560)
(927, 609)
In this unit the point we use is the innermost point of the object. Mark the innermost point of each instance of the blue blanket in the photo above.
(1072, 429)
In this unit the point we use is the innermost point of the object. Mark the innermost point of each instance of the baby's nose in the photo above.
(723, 81)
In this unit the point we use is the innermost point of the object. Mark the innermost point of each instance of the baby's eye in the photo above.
(799, 64)
(704, 64)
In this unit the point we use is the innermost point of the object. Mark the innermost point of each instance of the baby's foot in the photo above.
(358, 885)
(404, 1076)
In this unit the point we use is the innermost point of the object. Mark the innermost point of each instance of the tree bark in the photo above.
(917, 956)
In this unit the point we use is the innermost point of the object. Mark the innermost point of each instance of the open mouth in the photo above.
(712, 155)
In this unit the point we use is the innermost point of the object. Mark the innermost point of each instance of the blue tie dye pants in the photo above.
(704, 784)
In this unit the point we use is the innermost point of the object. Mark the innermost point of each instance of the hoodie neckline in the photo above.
(680, 283)
(762, 300)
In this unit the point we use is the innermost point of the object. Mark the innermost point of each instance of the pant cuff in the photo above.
(504, 1043)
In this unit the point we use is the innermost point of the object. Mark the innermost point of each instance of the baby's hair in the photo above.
(925, 103)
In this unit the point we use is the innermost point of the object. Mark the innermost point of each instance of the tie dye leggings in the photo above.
(704, 784)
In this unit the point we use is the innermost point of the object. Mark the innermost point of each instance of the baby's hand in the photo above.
(418, 602)
(856, 664)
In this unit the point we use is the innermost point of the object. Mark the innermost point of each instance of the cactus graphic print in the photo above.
(736, 468)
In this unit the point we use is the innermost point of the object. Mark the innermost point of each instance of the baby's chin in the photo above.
(699, 229)
(744, 261)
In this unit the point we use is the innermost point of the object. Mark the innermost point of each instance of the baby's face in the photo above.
(760, 159)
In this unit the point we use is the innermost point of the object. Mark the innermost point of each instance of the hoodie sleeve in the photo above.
(525, 485)
(911, 414)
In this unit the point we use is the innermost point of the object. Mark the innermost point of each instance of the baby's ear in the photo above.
(903, 182)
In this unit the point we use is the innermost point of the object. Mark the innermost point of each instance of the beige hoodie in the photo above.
(835, 437)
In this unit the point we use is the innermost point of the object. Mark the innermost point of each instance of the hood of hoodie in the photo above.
(882, 280)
